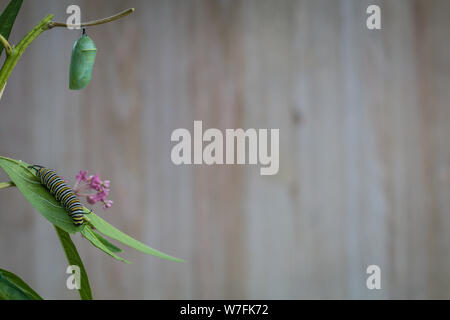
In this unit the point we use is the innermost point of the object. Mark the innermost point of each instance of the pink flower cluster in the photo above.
(87, 183)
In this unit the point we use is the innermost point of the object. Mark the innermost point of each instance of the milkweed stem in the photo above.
(7, 184)
(1, 91)
(53, 24)
(14, 53)
(18, 50)
(6, 44)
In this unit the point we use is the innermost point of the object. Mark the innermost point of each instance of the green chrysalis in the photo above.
(82, 62)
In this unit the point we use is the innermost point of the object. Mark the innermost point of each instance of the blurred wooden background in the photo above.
(364, 147)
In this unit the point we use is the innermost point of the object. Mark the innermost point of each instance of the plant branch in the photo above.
(17, 52)
(118, 16)
(6, 44)
(14, 53)
(7, 184)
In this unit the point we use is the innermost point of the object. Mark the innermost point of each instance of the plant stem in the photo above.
(17, 52)
(6, 44)
(14, 53)
(1, 91)
(7, 184)
(118, 16)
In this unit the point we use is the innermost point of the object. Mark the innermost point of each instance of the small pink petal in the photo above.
(91, 199)
(95, 182)
(82, 176)
(107, 204)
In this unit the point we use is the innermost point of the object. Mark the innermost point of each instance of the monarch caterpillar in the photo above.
(82, 62)
(63, 194)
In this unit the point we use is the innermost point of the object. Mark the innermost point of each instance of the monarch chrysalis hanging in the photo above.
(82, 62)
(63, 194)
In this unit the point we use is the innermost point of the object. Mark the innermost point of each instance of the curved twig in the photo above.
(53, 24)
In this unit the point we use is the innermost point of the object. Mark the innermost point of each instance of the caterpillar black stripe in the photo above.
(63, 194)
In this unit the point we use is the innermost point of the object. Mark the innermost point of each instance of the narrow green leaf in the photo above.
(107, 244)
(8, 17)
(46, 204)
(9, 291)
(114, 233)
(74, 259)
(12, 287)
(37, 194)
(88, 233)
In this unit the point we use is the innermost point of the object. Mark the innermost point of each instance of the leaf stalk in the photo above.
(8, 184)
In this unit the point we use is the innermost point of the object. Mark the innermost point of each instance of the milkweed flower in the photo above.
(107, 204)
(82, 176)
(95, 182)
(85, 185)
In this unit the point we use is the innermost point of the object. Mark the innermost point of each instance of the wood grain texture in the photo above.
(364, 157)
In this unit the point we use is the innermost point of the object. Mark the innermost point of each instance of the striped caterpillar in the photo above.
(63, 194)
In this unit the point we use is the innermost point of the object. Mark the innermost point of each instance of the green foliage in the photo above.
(46, 204)
(41, 199)
(114, 233)
(107, 244)
(88, 233)
(12, 287)
(74, 259)
(14, 57)
(8, 17)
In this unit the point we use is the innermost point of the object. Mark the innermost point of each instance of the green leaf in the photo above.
(8, 17)
(107, 244)
(9, 291)
(88, 233)
(12, 287)
(114, 233)
(46, 204)
(74, 259)
(37, 194)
